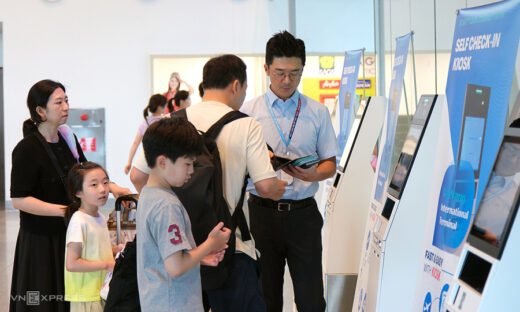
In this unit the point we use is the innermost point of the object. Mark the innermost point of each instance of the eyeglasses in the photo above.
(293, 75)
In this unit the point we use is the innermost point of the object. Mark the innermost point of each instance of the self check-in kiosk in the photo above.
(360, 115)
(347, 204)
(376, 249)
(481, 259)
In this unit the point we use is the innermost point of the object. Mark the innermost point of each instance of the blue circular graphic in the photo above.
(442, 296)
(454, 207)
(427, 306)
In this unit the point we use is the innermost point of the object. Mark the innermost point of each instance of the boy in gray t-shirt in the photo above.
(167, 258)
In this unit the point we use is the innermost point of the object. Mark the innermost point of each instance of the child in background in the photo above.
(174, 85)
(168, 272)
(88, 254)
(156, 106)
(182, 99)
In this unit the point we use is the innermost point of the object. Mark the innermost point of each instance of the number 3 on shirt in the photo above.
(177, 239)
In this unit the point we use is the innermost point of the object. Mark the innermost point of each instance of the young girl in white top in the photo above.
(88, 254)
(156, 106)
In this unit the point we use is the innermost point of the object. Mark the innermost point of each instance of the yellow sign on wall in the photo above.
(325, 90)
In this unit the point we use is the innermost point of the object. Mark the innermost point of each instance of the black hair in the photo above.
(172, 137)
(201, 90)
(75, 184)
(283, 44)
(39, 95)
(169, 104)
(179, 96)
(156, 101)
(222, 70)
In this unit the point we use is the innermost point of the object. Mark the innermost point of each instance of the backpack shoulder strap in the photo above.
(238, 216)
(181, 113)
(214, 130)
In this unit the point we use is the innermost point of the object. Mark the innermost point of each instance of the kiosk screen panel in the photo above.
(499, 202)
(352, 136)
(473, 127)
(423, 109)
(475, 271)
(405, 159)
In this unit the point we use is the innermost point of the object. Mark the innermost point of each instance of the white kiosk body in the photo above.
(347, 206)
(400, 253)
(480, 265)
(369, 297)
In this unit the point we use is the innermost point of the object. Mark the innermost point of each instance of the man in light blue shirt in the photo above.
(294, 126)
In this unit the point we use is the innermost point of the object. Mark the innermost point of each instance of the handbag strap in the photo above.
(54, 160)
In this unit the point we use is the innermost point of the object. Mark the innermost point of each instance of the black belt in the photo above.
(284, 204)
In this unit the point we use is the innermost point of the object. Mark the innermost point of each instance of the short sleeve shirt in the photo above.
(164, 228)
(92, 233)
(242, 149)
(313, 133)
(146, 123)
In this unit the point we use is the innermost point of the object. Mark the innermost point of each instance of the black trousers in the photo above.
(242, 290)
(293, 236)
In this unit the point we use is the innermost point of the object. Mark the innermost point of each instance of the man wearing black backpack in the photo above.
(242, 149)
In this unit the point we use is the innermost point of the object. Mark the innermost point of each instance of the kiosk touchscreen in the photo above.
(405, 162)
(395, 189)
(476, 104)
(490, 229)
(348, 148)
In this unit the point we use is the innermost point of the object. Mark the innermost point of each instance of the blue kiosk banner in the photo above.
(347, 102)
(394, 99)
(479, 82)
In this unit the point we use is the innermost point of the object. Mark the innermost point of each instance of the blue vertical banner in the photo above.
(347, 102)
(480, 76)
(478, 97)
(394, 99)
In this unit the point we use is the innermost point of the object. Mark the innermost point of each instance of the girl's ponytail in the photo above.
(156, 101)
(145, 113)
(71, 209)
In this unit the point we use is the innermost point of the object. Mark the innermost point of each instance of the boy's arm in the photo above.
(74, 262)
(182, 261)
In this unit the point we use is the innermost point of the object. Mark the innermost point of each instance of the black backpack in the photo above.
(203, 199)
(123, 294)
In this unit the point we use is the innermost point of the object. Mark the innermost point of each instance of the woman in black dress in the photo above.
(38, 190)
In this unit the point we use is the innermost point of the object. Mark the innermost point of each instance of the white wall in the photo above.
(101, 51)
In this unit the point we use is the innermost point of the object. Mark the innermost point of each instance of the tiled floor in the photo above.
(9, 223)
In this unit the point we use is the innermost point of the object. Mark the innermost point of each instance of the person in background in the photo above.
(174, 85)
(289, 230)
(182, 99)
(168, 261)
(156, 106)
(40, 162)
(89, 255)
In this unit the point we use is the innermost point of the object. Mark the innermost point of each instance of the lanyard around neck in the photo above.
(288, 141)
